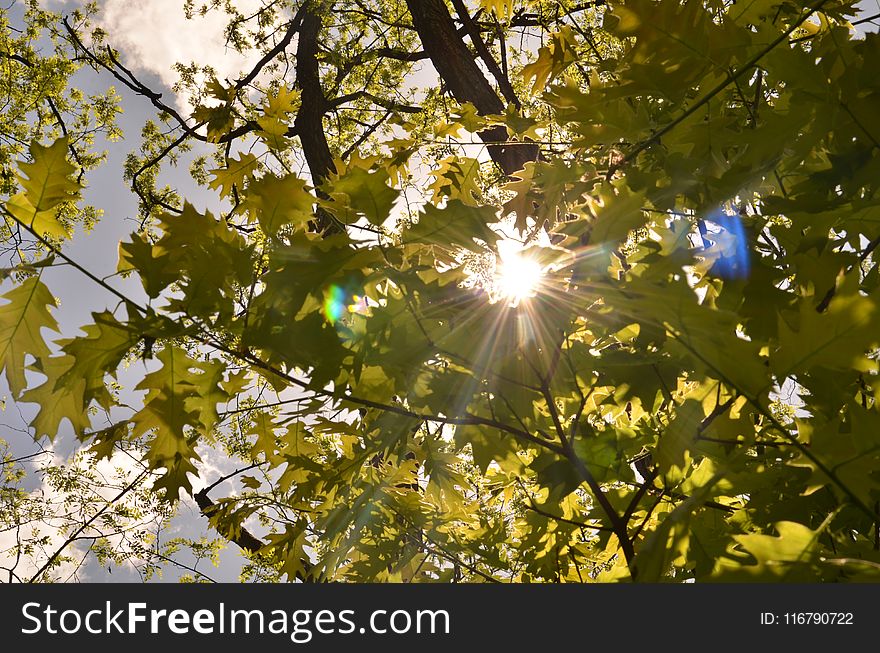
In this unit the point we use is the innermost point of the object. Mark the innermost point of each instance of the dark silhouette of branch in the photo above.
(75, 535)
(618, 525)
(242, 537)
(292, 28)
(390, 105)
(309, 122)
(400, 55)
(865, 20)
(486, 56)
(534, 508)
(531, 19)
(131, 82)
(367, 133)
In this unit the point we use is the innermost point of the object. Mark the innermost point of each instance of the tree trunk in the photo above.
(309, 123)
(464, 79)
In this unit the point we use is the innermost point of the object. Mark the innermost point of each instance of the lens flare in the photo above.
(339, 302)
(335, 304)
(731, 244)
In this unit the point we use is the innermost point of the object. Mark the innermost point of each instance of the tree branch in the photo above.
(244, 539)
(458, 70)
(85, 525)
(292, 28)
(480, 45)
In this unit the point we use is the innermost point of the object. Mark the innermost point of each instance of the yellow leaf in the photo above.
(47, 184)
(234, 174)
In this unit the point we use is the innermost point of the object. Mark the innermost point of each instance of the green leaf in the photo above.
(234, 174)
(546, 190)
(21, 320)
(280, 201)
(553, 59)
(455, 225)
(791, 556)
(283, 101)
(47, 184)
(502, 8)
(617, 212)
(206, 258)
(679, 437)
(104, 441)
(839, 338)
(251, 483)
(850, 449)
(95, 355)
(56, 401)
(172, 419)
(457, 178)
(361, 192)
(667, 545)
(289, 549)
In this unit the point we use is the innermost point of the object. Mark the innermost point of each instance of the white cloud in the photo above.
(154, 36)
(52, 512)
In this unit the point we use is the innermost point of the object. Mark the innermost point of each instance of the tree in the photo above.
(673, 377)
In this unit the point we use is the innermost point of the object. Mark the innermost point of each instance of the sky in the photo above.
(153, 35)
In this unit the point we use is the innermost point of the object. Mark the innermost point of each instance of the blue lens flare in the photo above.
(731, 244)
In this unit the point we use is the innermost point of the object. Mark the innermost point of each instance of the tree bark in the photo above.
(244, 539)
(464, 79)
(309, 123)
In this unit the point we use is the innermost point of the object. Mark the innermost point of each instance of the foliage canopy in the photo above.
(688, 392)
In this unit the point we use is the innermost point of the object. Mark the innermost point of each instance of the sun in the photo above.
(517, 277)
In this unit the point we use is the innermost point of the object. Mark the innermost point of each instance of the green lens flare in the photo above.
(334, 304)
